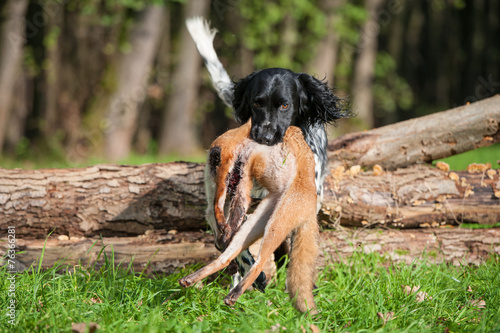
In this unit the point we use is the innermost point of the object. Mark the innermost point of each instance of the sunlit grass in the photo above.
(490, 154)
(44, 162)
(350, 295)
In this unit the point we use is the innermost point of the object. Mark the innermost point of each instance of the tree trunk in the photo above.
(133, 74)
(160, 251)
(11, 45)
(52, 75)
(364, 68)
(20, 107)
(323, 65)
(178, 131)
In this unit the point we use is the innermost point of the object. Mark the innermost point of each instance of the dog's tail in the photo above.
(203, 37)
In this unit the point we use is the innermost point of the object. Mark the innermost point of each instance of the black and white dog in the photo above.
(273, 99)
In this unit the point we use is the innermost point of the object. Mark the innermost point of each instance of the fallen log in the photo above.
(108, 200)
(160, 251)
(113, 200)
(418, 196)
(421, 140)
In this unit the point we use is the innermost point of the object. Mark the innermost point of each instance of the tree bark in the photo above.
(178, 131)
(132, 83)
(11, 44)
(160, 251)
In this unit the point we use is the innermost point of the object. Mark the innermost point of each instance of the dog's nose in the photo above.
(266, 139)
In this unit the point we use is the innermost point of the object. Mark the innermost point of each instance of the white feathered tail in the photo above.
(203, 36)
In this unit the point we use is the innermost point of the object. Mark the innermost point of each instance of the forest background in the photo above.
(91, 81)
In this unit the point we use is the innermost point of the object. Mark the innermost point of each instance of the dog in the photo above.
(274, 99)
(286, 171)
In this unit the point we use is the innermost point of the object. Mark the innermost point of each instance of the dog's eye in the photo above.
(284, 106)
(257, 105)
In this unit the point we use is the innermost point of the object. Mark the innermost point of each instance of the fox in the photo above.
(287, 171)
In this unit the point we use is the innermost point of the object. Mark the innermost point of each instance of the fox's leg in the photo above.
(302, 267)
(248, 233)
(275, 233)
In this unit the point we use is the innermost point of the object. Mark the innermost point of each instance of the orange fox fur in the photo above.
(286, 170)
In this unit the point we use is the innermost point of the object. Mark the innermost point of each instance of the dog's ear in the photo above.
(241, 96)
(317, 101)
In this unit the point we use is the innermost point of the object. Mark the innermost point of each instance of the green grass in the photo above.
(349, 296)
(490, 154)
(44, 162)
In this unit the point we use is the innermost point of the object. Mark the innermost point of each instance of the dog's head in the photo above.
(277, 98)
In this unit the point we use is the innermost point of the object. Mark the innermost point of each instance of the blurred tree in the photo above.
(178, 131)
(132, 82)
(11, 44)
(325, 60)
(364, 68)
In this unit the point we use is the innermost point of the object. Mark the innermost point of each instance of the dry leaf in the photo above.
(82, 327)
(438, 206)
(469, 289)
(354, 170)
(441, 198)
(338, 173)
(468, 192)
(478, 167)
(377, 170)
(312, 327)
(491, 173)
(443, 166)
(410, 290)
(422, 296)
(463, 182)
(278, 328)
(478, 303)
(385, 316)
